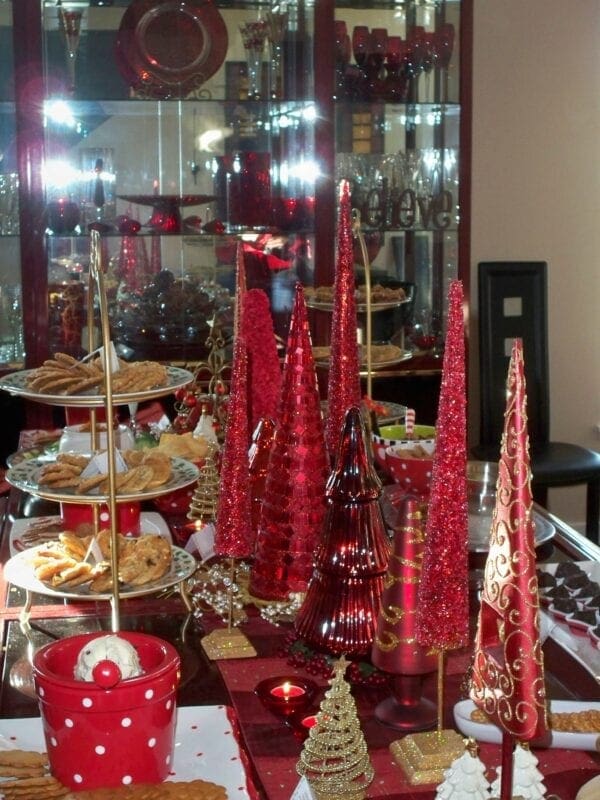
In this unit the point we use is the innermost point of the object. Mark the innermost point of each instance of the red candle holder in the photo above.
(286, 695)
(302, 722)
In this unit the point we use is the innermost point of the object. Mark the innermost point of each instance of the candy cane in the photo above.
(409, 423)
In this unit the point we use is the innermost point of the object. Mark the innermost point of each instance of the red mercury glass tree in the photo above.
(508, 669)
(294, 495)
(339, 612)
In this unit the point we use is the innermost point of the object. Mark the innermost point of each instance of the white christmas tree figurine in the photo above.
(527, 779)
(465, 777)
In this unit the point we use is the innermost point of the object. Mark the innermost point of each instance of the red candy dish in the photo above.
(108, 732)
(414, 474)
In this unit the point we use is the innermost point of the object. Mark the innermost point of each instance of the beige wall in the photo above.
(536, 188)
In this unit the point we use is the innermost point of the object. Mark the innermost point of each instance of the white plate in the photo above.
(26, 474)
(486, 732)
(150, 522)
(205, 747)
(579, 645)
(16, 383)
(19, 571)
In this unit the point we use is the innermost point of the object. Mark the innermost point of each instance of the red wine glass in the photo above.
(360, 49)
(377, 52)
(396, 82)
(415, 56)
(443, 48)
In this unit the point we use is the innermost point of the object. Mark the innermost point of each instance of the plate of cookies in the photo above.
(80, 477)
(574, 725)
(79, 383)
(79, 567)
(382, 355)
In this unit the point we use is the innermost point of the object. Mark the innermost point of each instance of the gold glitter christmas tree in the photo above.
(204, 501)
(334, 759)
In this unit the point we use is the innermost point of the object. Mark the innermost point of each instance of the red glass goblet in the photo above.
(396, 83)
(415, 57)
(376, 57)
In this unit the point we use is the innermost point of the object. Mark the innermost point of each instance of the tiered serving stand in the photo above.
(24, 474)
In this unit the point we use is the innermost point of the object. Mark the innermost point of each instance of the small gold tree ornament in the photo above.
(334, 759)
(203, 506)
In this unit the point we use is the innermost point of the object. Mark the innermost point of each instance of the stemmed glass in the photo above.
(360, 48)
(375, 58)
(254, 35)
(443, 47)
(276, 28)
(415, 53)
(343, 50)
(396, 82)
(70, 22)
(429, 47)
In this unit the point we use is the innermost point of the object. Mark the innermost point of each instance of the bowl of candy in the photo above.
(392, 435)
(107, 703)
(410, 463)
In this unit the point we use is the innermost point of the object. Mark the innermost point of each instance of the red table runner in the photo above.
(274, 749)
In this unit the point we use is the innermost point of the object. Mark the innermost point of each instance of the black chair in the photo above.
(513, 304)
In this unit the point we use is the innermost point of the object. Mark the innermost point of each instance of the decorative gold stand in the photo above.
(425, 756)
(228, 642)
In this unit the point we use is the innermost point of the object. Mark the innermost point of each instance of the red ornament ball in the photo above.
(106, 674)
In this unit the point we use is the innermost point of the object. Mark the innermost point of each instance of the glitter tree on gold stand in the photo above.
(442, 610)
(334, 759)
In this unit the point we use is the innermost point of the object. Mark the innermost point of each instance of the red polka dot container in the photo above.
(117, 736)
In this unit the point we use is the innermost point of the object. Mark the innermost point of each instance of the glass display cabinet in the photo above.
(181, 129)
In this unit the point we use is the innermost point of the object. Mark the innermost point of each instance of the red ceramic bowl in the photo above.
(414, 474)
(108, 737)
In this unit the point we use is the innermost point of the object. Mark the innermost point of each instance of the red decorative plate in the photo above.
(167, 48)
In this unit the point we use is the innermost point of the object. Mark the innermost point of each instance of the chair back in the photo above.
(513, 304)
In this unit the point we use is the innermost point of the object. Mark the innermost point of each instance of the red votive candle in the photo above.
(286, 695)
(287, 690)
(309, 722)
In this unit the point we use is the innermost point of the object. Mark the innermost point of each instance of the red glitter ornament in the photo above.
(234, 536)
(343, 388)
(264, 371)
(508, 670)
(294, 498)
(342, 602)
(395, 649)
(443, 606)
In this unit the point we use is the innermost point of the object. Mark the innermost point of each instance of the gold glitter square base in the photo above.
(425, 756)
(224, 643)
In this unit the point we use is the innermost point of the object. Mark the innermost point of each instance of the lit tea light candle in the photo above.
(287, 690)
(309, 722)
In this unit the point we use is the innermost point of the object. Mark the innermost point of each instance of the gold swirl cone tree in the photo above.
(508, 669)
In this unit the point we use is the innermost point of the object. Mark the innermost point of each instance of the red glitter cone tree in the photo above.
(234, 535)
(395, 649)
(258, 457)
(443, 604)
(508, 669)
(294, 496)
(343, 599)
(264, 371)
(343, 389)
